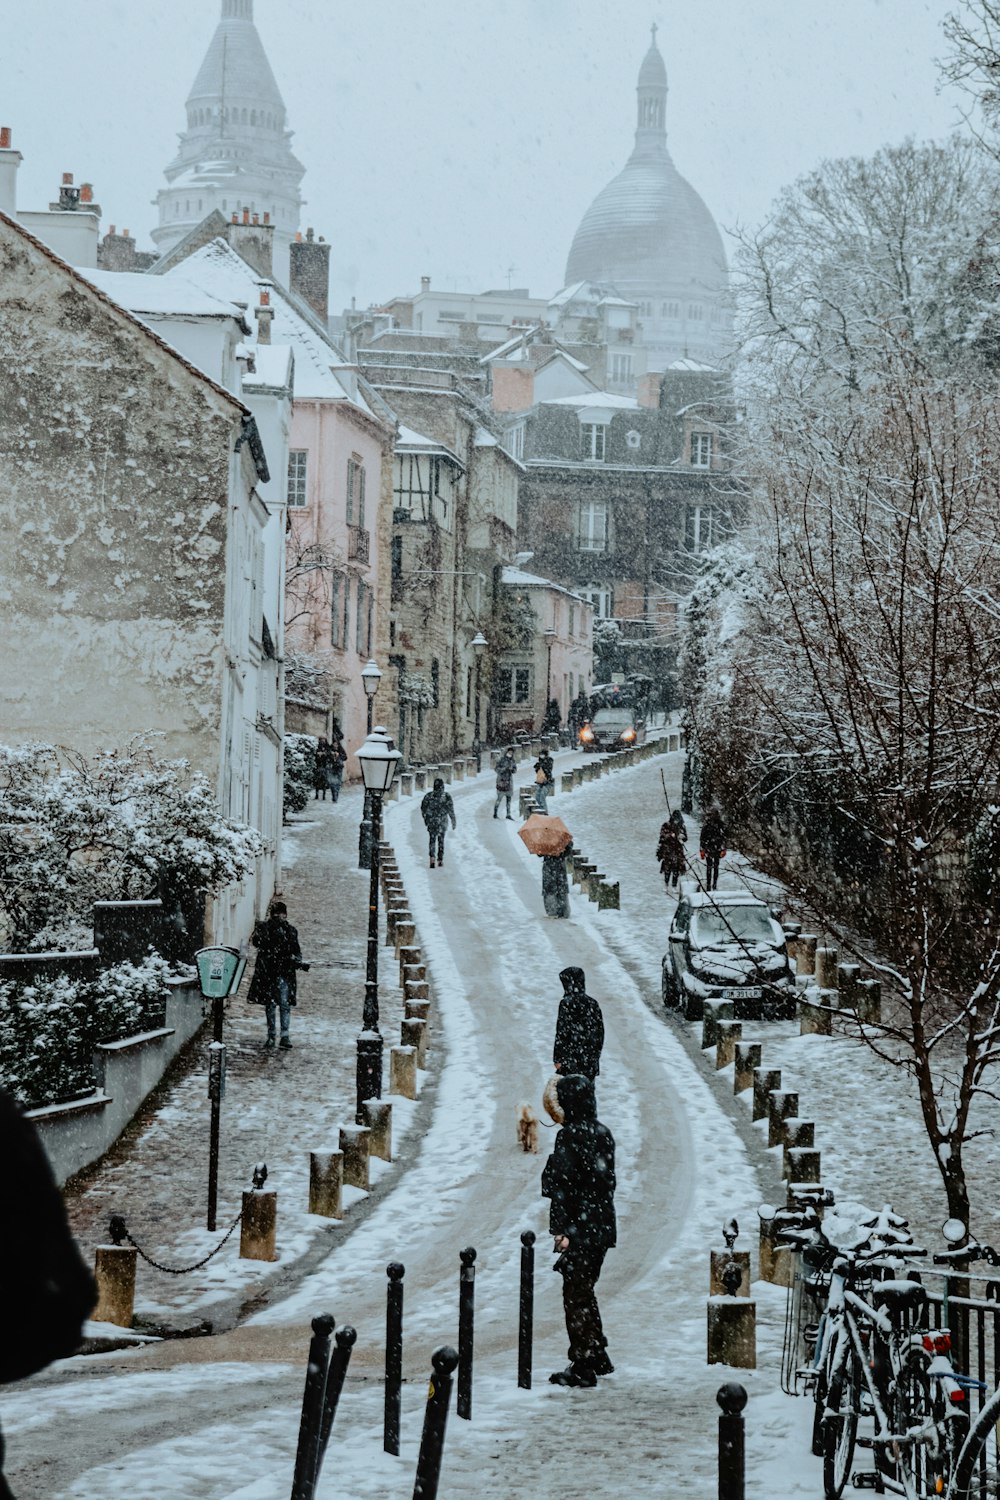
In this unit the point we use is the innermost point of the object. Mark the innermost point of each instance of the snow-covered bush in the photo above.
(300, 767)
(50, 1027)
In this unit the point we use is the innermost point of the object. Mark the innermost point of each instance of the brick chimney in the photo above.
(116, 252)
(648, 393)
(253, 241)
(10, 160)
(265, 317)
(309, 273)
(513, 387)
(425, 283)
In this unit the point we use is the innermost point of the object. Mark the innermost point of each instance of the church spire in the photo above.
(651, 96)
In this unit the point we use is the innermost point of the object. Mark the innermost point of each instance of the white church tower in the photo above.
(236, 151)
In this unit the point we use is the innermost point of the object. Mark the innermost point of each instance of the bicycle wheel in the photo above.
(924, 1465)
(840, 1427)
(977, 1472)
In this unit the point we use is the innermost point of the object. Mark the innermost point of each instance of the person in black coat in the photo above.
(713, 847)
(278, 957)
(579, 1028)
(579, 1181)
(49, 1291)
(436, 808)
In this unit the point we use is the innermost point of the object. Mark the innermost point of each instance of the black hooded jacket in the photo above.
(579, 1028)
(579, 1176)
(436, 808)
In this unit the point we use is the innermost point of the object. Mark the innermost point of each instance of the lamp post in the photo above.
(550, 635)
(379, 762)
(370, 679)
(479, 644)
(219, 973)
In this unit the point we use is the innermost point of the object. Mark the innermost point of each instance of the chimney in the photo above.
(265, 316)
(648, 393)
(309, 273)
(425, 283)
(253, 242)
(10, 160)
(513, 387)
(69, 196)
(116, 252)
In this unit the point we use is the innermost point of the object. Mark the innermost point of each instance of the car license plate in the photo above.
(743, 993)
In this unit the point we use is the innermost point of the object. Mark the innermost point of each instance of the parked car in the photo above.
(727, 945)
(613, 729)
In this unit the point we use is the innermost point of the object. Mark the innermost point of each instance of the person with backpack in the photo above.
(436, 809)
(545, 780)
(670, 853)
(506, 767)
(713, 847)
(278, 958)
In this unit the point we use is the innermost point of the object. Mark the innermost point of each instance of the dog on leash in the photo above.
(527, 1128)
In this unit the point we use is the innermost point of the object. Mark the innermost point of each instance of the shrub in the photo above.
(300, 767)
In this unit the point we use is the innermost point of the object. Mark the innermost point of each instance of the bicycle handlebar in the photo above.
(970, 1253)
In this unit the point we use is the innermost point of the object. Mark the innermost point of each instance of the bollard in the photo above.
(443, 1362)
(732, 1332)
(747, 1058)
(774, 1262)
(403, 1072)
(799, 1135)
(416, 969)
(567, 781)
(114, 1272)
(416, 990)
(420, 781)
(413, 1033)
(827, 960)
(868, 1007)
(326, 1181)
(336, 1373)
(458, 770)
(732, 1398)
(260, 1225)
(418, 1010)
(764, 1080)
(378, 1118)
(393, 1356)
(310, 1423)
(609, 896)
(714, 1011)
(727, 1034)
(406, 783)
(848, 976)
(802, 1164)
(781, 1106)
(815, 1017)
(526, 1314)
(409, 957)
(805, 959)
(406, 937)
(466, 1319)
(719, 1260)
(355, 1143)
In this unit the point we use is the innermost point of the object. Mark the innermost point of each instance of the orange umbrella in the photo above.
(544, 835)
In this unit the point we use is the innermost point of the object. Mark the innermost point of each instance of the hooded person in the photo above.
(579, 1181)
(436, 808)
(274, 977)
(579, 1028)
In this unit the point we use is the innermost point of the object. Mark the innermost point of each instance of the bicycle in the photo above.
(977, 1467)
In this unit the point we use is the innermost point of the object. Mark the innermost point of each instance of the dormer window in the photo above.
(701, 450)
(592, 435)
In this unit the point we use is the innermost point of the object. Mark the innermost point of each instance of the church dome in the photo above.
(650, 235)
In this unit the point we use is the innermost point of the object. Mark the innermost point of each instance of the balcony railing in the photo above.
(357, 544)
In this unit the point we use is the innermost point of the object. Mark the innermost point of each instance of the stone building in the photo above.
(235, 152)
(133, 578)
(549, 657)
(650, 237)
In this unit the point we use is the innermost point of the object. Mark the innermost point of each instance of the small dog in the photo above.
(527, 1128)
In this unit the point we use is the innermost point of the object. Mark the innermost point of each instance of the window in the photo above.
(695, 312)
(362, 615)
(297, 477)
(572, 619)
(515, 440)
(397, 558)
(593, 441)
(369, 625)
(417, 484)
(355, 492)
(336, 639)
(698, 528)
(345, 637)
(600, 597)
(701, 450)
(592, 530)
(620, 369)
(522, 684)
(512, 684)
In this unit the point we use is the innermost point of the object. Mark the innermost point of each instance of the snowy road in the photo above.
(217, 1418)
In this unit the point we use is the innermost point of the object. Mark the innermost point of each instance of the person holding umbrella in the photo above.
(550, 839)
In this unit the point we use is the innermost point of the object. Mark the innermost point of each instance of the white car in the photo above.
(727, 945)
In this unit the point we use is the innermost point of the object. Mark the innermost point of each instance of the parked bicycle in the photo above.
(977, 1468)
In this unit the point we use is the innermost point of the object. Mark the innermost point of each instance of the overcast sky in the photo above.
(464, 140)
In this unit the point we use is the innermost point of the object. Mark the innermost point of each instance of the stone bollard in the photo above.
(774, 1263)
(259, 1228)
(827, 961)
(458, 770)
(444, 771)
(420, 781)
(815, 1012)
(326, 1182)
(805, 959)
(413, 1033)
(409, 954)
(732, 1332)
(567, 781)
(609, 896)
(719, 1260)
(798, 1133)
(868, 1005)
(764, 1080)
(419, 1010)
(406, 783)
(415, 969)
(782, 1106)
(578, 864)
(747, 1058)
(727, 1034)
(406, 935)
(848, 976)
(715, 1011)
(355, 1143)
(403, 1072)
(378, 1118)
(415, 992)
(802, 1164)
(114, 1272)
(593, 884)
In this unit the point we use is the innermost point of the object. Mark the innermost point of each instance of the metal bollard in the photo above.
(732, 1398)
(307, 1452)
(466, 1319)
(336, 1374)
(393, 1356)
(443, 1361)
(526, 1315)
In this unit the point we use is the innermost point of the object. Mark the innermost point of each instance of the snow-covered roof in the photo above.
(568, 294)
(595, 398)
(273, 365)
(408, 440)
(512, 345)
(692, 365)
(484, 439)
(519, 579)
(161, 296)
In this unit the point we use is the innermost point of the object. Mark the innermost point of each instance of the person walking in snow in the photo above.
(335, 773)
(670, 853)
(544, 768)
(579, 1028)
(713, 847)
(278, 958)
(579, 1181)
(436, 808)
(506, 766)
(321, 769)
(555, 885)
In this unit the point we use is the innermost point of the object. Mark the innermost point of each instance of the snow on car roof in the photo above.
(723, 898)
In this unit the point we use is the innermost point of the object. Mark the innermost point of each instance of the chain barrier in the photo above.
(119, 1232)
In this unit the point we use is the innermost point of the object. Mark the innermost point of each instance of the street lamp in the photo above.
(479, 644)
(550, 635)
(371, 676)
(219, 973)
(379, 762)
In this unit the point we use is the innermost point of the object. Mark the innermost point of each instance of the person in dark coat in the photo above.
(555, 885)
(544, 765)
(278, 957)
(579, 1181)
(713, 847)
(670, 853)
(579, 1028)
(335, 770)
(321, 769)
(506, 766)
(676, 820)
(49, 1290)
(436, 808)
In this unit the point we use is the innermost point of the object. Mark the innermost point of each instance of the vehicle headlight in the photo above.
(629, 734)
(586, 733)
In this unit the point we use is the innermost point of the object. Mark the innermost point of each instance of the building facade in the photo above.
(549, 656)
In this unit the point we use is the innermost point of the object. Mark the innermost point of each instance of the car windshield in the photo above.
(747, 923)
(613, 718)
